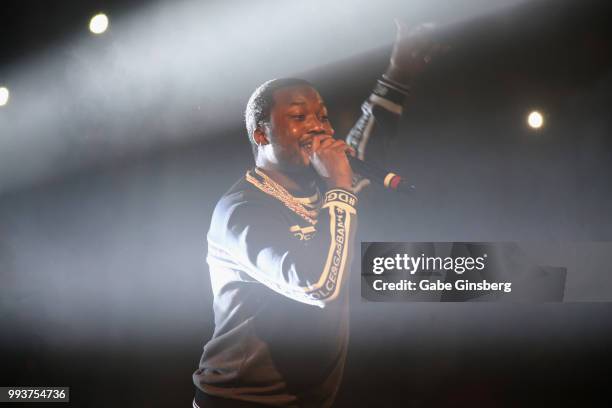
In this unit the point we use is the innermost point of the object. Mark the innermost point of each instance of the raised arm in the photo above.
(412, 51)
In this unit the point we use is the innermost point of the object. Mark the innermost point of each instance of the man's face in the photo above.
(297, 115)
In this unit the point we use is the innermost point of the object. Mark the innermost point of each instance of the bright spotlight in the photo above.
(4, 95)
(98, 23)
(535, 120)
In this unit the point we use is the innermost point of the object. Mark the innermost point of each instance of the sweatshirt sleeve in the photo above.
(380, 115)
(256, 238)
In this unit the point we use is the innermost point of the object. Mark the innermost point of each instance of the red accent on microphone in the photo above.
(395, 182)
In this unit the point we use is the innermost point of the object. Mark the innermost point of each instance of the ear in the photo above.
(259, 135)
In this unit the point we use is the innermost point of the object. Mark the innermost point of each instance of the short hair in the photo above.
(261, 101)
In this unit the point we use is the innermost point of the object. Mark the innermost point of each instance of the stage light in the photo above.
(535, 120)
(98, 23)
(4, 95)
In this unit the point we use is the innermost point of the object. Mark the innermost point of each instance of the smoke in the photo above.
(179, 71)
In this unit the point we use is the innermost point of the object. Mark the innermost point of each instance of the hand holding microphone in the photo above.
(334, 161)
(328, 157)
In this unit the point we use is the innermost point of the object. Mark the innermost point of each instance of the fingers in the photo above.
(325, 142)
(340, 146)
(431, 48)
(329, 160)
(351, 151)
(413, 50)
(421, 29)
(317, 140)
(432, 45)
(344, 148)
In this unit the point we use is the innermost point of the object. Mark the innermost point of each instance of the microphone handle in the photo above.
(387, 178)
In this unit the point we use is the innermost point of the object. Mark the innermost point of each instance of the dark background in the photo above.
(104, 286)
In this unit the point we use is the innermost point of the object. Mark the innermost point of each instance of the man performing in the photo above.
(281, 241)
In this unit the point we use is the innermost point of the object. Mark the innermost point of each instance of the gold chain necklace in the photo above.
(277, 191)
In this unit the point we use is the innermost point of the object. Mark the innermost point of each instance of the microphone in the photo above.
(387, 178)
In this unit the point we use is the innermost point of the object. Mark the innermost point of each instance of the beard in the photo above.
(303, 173)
